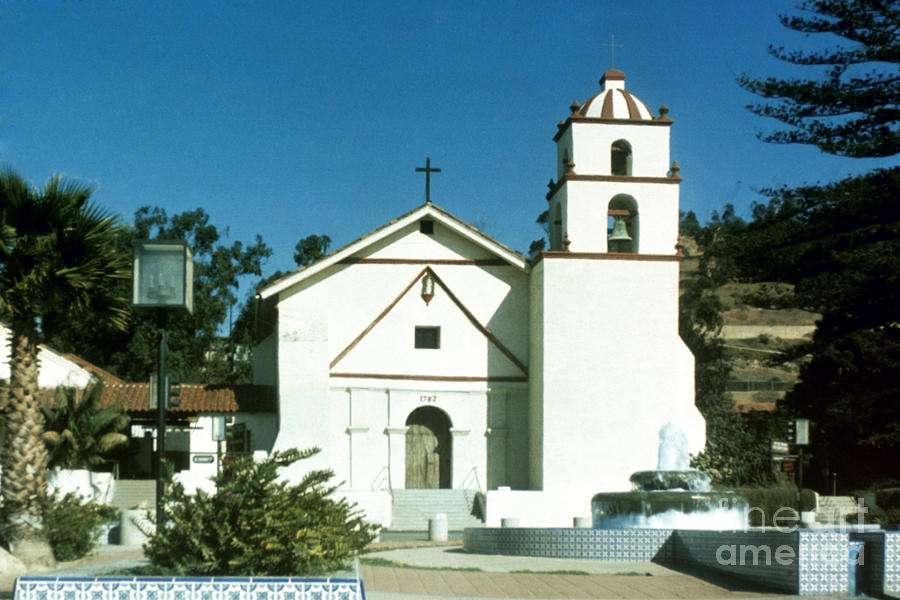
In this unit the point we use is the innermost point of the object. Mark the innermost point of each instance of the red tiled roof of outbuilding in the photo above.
(195, 398)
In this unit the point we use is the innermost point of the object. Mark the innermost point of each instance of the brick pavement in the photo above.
(423, 583)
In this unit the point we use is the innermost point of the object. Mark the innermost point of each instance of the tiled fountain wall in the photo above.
(881, 561)
(801, 562)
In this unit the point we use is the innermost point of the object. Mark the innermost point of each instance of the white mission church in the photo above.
(428, 355)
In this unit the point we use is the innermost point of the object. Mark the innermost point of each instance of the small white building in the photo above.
(211, 424)
(55, 369)
(428, 355)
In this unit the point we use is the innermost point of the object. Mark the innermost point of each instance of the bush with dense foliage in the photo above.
(767, 503)
(258, 524)
(73, 526)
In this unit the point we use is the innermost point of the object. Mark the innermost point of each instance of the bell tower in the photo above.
(608, 368)
(615, 190)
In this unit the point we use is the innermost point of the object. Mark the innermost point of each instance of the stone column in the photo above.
(461, 466)
(397, 456)
(355, 450)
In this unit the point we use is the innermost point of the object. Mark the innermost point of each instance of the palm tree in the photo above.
(78, 432)
(57, 256)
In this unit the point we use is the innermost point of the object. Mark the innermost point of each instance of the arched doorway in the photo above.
(429, 449)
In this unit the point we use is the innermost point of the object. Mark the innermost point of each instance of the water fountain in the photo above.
(673, 496)
(674, 518)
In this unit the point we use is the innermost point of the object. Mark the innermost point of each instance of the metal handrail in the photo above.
(382, 480)
(472, 475)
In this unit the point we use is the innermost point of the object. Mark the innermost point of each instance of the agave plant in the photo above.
(79, 434)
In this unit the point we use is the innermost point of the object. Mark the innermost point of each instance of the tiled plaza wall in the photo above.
(881, 561)
(768, 557)
(803, 562)
(552, 542)
(187, 588)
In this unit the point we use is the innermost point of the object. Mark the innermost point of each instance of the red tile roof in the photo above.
(195, 397)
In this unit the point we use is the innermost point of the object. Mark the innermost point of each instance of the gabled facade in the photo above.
(426, 354)
(417, 326)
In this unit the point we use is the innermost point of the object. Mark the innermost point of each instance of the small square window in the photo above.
(426, 227)
(428, 337)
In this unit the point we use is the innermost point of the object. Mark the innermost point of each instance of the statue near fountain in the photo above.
(673, 496)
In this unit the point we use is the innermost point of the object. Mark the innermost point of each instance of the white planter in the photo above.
(133, 521)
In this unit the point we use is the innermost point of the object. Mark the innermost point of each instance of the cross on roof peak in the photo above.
(428, 170)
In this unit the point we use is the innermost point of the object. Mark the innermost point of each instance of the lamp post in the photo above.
(163, 278)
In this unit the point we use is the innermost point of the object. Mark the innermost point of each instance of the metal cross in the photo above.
(612, 45)
(428, 171)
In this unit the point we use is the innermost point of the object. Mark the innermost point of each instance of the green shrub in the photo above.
(891, 518)
(888, 498)
(257, 525)
(72, 525)
(765, 503)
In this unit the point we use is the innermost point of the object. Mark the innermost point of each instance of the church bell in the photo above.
(619, 232)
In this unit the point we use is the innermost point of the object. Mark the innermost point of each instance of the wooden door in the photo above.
(422, 460)
(428, 449)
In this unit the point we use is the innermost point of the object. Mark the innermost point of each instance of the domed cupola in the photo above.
(614, 101)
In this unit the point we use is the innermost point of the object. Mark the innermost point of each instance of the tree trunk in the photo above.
(24, 477)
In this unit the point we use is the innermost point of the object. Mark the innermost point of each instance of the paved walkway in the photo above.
(448, 572)
(444, 572)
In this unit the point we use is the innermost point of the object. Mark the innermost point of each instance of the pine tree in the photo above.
(838, 244)
(853, 108)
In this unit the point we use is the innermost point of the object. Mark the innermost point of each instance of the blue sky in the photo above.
(290, 118)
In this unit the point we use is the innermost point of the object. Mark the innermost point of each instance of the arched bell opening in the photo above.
(622, 224)
(620, 158)
(429, 449)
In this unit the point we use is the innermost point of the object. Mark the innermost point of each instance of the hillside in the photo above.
(752, 335)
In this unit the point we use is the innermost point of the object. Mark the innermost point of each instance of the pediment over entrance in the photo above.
(460, 347)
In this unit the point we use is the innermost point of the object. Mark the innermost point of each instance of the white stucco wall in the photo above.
(589, 146)
(263, 361)
(263, 429)
(615, 371)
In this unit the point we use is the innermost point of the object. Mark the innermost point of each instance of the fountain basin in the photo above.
(669, 509)
(686, 479)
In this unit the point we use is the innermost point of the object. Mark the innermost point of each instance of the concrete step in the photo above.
(837, 501)
(132, 492)
(836, 509)
(411, 509)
